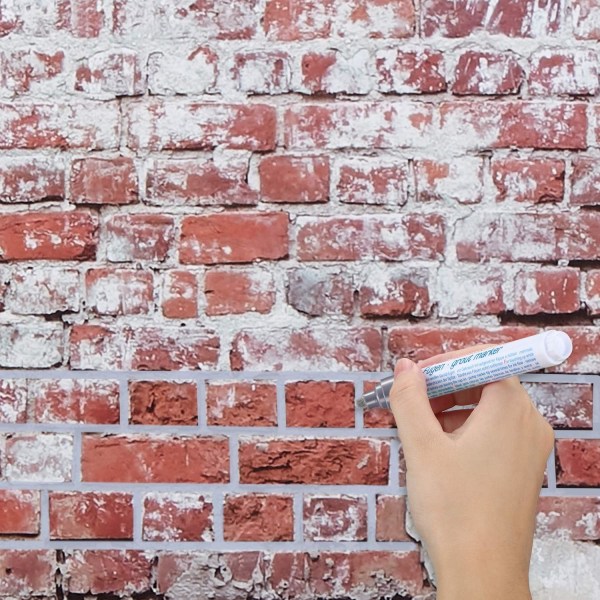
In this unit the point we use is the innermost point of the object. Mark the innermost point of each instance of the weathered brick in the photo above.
(548, 291)
(104, 181)
(380, 19)
(163, 403)
(91, 516)
(390, 515)
(365, 125)
(81, 18)
(377, 417)
(334, 72)
(561, 73)
(487, 73)
(48, 235)
(585, 15)
(42, 457)
(585, 357)
(23, 71)
(31, 179)
(74, 401)
(585, 181)
(20, 510)
(241, 404)
(138, 237)
(111, 291)
(13, 400)
(529, 180)
(335, 518)
(371, 181)
(236, 292)
(144, 348)
(285, 20)
(28, 573)
(262, 72)
(575, 518)
(249, 518)
(294, 179)
(177, 517)
(371, 237)
(320, 291)
(154, 459)
(31, 345)
(410, 72)
(577, 463)
(456, 180)
(180, 295)
(336, 461)
(319, 404)
(44, 291)
(233, 237)
(156, 125)
(194, 182)
(307, 349)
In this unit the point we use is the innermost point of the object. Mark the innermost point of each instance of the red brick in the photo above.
(107, 571)
(543, 125)
(307, 349)
(585, 357)
(180, 517)
(179, 71)
(81, 18)
(339, 461)
(390, 292)
(472, 291)
(377, 417)
(31, 179)
(249, 518)
(156, 125)
(390, 519)
(585, 15)
(139, 237)
(262, 72)
(42, 457)
(368, 181)
(461, 18)
(180, 295)
(163, 403)
(376, 19)
(20, 510)
(86, 125)
(335, 518)
(74, 401)
(585, 182)
(236, 292)
(320, 291)
(194, 182)
(25, 70)
(487, 73)
(528, 237)
(560, 73)
(365, 125)
(48, 235)
(28, 573)
(334, 72)
(31, 345)
(241, 404)
(44, 291)
(577, 463)
(104, 181)
(142, 348)
(563, 405)
(13, 400)
(371, 237)
(410, 72)
(319, 404)
(457, 180)
(529, 180)
(294, 179)
(289, 20)
(592, 292)
(91, 516)
(110, 74)
(233, 237)
(575, 518)
(551, 291)
(111, 291)
(154, 459)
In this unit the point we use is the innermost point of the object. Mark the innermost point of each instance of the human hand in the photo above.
(473, 479)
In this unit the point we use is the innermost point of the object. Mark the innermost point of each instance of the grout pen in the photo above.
(528, 354)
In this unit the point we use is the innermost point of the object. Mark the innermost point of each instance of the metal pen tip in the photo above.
(360, 402)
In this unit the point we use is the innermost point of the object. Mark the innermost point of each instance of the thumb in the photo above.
(409, 403)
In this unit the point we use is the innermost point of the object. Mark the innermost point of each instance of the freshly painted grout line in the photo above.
(217, 498)
(123, 405)
(138, 516)
(596, 407)
(299, 518)
(551, 472)
(234, 474)
(359, 415)
(394, 476)
(371, 519)
(201, 392)
(44, 538)
(76, 464)
(281, 409)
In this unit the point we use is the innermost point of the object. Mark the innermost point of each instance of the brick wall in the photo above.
(220, 222)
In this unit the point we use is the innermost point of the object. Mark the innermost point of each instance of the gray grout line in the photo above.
(76, 463)
(551, 473)
(298, 518)
(234, 474)
(123, 406)
(138, 516)
(281, 410)
(371, 518)
(596, 407)
(217, 499)
(201, 392)
(358, 412)
(394, 476)
(44, 517)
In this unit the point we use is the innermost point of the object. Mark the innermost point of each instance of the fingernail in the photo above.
(404, 364)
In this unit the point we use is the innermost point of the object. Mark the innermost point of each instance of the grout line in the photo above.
(299, 518)
(76, 462)
(201, 392)
(123, 405)
(138, 516)
(596, 407)
(218, 498)
(281, 408)
(44, 517)
(359, 421)
(551, 472)
(371, 518)
(234, 475)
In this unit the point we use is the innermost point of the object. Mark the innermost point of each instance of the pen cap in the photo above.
(558, 345)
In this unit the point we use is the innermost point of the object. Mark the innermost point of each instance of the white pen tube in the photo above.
(528, 354)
